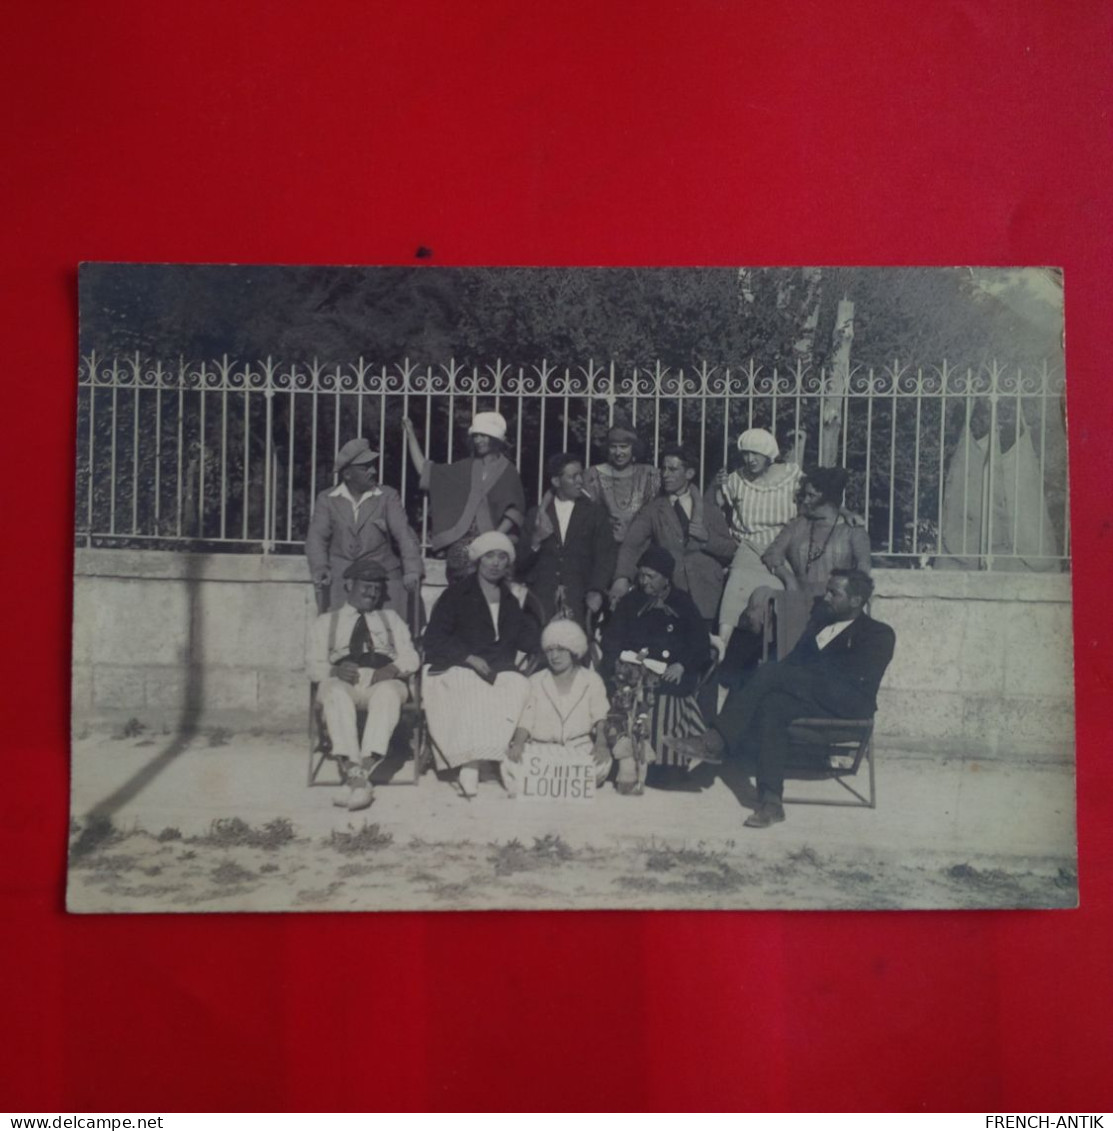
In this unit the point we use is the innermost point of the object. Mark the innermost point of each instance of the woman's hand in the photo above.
(619, 588)
(674, 673)
(479, 664)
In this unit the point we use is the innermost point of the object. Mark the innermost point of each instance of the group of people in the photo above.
(584, 626)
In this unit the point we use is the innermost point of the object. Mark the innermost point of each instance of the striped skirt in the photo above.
(674, 716)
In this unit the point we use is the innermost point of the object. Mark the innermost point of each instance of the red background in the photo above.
(695, 132)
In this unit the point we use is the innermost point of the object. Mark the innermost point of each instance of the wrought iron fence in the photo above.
(965, 468)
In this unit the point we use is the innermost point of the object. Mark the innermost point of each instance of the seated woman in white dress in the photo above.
(566, 708)
(474, 694)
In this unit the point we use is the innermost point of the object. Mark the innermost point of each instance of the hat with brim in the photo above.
(365, 568)
(354, 451)
(565, 634)
(491, 424)
(760, 441)
(486, 543)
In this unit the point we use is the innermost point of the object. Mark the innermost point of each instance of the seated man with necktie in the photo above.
(834, 672)
(359, 656)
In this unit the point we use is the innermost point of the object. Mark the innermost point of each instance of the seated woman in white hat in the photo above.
(567, 706)
(474, 495)
(474, 695)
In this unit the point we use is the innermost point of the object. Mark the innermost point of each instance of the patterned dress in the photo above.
(622, 493)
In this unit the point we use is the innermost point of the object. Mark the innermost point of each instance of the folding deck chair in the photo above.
(410, 731)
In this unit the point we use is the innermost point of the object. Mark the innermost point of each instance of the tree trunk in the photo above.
(831, 414)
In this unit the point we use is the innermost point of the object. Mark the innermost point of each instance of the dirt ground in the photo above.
(221, 822)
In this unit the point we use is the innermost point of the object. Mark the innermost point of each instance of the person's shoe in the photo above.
(767, 813)
(360, 797)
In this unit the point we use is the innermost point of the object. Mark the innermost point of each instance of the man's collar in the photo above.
(340, 491)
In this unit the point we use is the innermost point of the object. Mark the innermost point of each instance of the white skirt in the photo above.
(471, 720)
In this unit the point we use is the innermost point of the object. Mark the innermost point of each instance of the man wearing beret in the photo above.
(359, 656)
(358, 518)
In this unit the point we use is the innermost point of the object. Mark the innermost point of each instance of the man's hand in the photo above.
(408, 426)
(479, 664)
(674, 673)
(322, 578)
(411, 581)
(515, 750)
(720, 479)
(544, 526)
(594, 600)
(619, 588)
(388, 671)
(347, 671)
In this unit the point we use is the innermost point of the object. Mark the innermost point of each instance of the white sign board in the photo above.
(548, 777)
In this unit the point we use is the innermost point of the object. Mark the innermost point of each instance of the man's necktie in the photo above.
(685, 521)
(360, 641)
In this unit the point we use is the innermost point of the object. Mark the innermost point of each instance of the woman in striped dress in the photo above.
(761, 497)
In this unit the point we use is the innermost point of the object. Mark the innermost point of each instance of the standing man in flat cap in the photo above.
(358, 518)
(359, 656)
(470, 496)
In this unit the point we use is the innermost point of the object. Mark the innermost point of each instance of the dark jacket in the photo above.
(460, 626)
(582, 562)
(849, 670)
(678, 630)
(700, 560)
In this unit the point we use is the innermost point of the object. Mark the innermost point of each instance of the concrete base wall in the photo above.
(983, 661)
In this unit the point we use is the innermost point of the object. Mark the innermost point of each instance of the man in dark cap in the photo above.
(359, 656)
(361, 517)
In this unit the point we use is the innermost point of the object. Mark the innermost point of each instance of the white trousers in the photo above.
(340, 701)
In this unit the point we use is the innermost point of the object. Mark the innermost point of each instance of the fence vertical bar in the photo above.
(1016, 466)
(201, 472)
(112, 452)
(135, 447)
(92, 443)
(967, 437)
(246, 451)
(314, 420)
(290, 465)
(1043, 451)
(269, 482)
(944, 377)
(893, 452)
(181, 441)
(158, 448)
(224, 448)
(869, 448)
(989, 491)
(916, 464)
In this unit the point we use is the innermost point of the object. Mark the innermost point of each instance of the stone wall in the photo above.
(983, 661)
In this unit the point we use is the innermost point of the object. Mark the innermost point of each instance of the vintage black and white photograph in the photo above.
(567, 588)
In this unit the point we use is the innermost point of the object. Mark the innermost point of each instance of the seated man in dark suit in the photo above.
(834, 671)
(568, 553)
